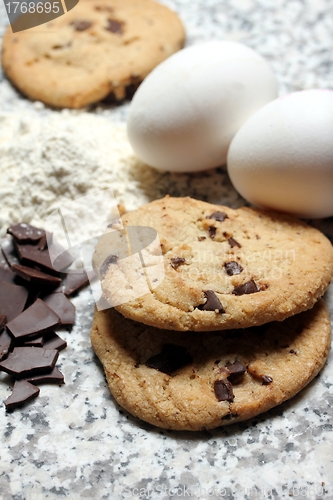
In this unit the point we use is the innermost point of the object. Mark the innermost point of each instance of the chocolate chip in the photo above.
(219, 216)
(5, 344)
(53, 377)
(115, 26)
(37, 319)
(236, 370)
(53, 341)
(249, 287)
(201, 238)
(232, 268)
(75, 281)
(172, 358)
(177, 261)
(63, 307)
(25, 233)
(23, 392)
(223, 390)
(111, 259)
(212, 303)
(233, 243)
(104, 8)
(212, 232)
(82, 25)
(29, 361)
(266, 380)
(13, 299)
(35, 276)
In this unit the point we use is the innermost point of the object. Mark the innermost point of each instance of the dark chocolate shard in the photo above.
(37, 319)
(26, 361)
(23, 392)
(82, 25)
(236, 370)
(75, 281)
(9, 251)
(111, 259)
(233, 243)
(35, 276)
(36, 342)
(246, 288)
(63, 307)
(53, 377)
(53, 341)
(25, 233)
(5, 344)
(232, 268)
(172, 358)
(266, 380)
(115, 26)
(177, 261)
(212, 232)
(3, 321)
(218, 216)
(213, 303)
(12, 299)
(30, 255)
(6, 274)
(223, 390)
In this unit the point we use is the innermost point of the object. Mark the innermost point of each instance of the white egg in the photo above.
(185, 113)
(282, 157)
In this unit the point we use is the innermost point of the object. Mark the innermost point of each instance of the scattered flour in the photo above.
(45, 160)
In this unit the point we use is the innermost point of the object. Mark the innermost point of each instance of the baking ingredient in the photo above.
(282, 157)
(185, 113)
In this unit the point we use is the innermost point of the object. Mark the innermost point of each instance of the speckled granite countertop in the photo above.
(75, 442)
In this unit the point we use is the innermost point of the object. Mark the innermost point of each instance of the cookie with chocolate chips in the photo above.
(194, 381)
(224, 268)
(99, 48)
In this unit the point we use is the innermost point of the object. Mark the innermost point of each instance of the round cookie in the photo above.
(220, 379)
(99, 47)
(224, 268)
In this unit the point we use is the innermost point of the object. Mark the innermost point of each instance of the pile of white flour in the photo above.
(45, 160)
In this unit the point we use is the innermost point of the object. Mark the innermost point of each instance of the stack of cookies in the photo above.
(236, 326)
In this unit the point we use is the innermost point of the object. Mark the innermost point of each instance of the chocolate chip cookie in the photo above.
(100, 47)
(223, 268)
(194, 381)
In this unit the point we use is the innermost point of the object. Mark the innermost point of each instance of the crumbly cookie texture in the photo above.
(222, 377)
(99, 47)
(224, 268)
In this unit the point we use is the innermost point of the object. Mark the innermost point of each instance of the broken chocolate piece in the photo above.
(23, 392)
(233, 243)
(249, 287)
(53, 377)
(35, 276)
(6, 274)
(30, 255)
(177, 261)
(37, 342)
(213, 303)
(172, 358)
(53, 341)
(12, 299)
(232, 268)
(25, 361)
(81, 25)
(236, 370)
(115, 26)
(75, 281)
(3, 321)
(63, 307)
(38, 318)
(25, 233)
(223, 390)
(111, 259)
(218, 216)
(212, 231)
(9, 251)
(266, 380)
(5, 344)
